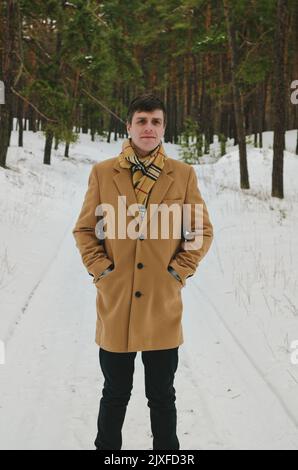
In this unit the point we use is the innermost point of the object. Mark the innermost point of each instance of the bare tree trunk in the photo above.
(279, 98)
(238, 104)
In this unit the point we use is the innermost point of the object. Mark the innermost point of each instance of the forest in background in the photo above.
(223, 68)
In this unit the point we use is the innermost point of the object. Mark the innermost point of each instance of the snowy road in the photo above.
(51, 384)
(233, 390)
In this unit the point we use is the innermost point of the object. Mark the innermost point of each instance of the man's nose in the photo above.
(149, 128)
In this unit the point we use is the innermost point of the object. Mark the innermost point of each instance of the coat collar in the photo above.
(123, 182)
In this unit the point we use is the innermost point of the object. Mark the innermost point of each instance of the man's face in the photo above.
(146, 130)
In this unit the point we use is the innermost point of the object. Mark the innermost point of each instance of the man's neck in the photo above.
(141, 153)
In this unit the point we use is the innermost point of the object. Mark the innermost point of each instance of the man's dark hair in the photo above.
(145, 102)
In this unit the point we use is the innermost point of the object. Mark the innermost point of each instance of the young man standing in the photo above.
(139, 277)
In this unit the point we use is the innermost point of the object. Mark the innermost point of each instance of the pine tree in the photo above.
(282, 18)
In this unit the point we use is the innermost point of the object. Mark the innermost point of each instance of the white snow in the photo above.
(237, 387)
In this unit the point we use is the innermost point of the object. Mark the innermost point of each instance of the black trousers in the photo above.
(118, 369)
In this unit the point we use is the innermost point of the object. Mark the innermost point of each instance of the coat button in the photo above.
(140, 265)
(138, 293)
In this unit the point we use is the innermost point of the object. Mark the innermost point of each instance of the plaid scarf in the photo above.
(144, 172)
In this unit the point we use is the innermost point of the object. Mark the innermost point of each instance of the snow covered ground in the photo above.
(237, 387)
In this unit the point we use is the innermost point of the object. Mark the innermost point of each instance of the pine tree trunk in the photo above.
(92, 128)
(48, 148)
(295, 67)
(169, 106)
(175, 104)
(261, 111)
(238, 104)
(279, 98)
(116, 128)
(111, 126)
(66, 151)
(32, 119)
(20, 121)
(9, 41)
(196, 80)
(85, 113)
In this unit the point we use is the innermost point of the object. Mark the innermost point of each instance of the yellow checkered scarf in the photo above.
(144, 172)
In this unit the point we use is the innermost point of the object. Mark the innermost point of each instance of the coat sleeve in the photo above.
(92, 251)
(191, 252)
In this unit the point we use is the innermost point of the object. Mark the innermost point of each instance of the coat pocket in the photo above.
(105, 276)
(178, 282)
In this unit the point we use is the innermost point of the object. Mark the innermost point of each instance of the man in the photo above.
(139, 278)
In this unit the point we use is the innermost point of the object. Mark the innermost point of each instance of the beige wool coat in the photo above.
(139, 305)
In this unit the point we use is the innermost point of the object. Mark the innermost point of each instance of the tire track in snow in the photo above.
(244, 351)
(18, 319)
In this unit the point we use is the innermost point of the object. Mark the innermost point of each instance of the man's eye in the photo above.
(156, 123)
